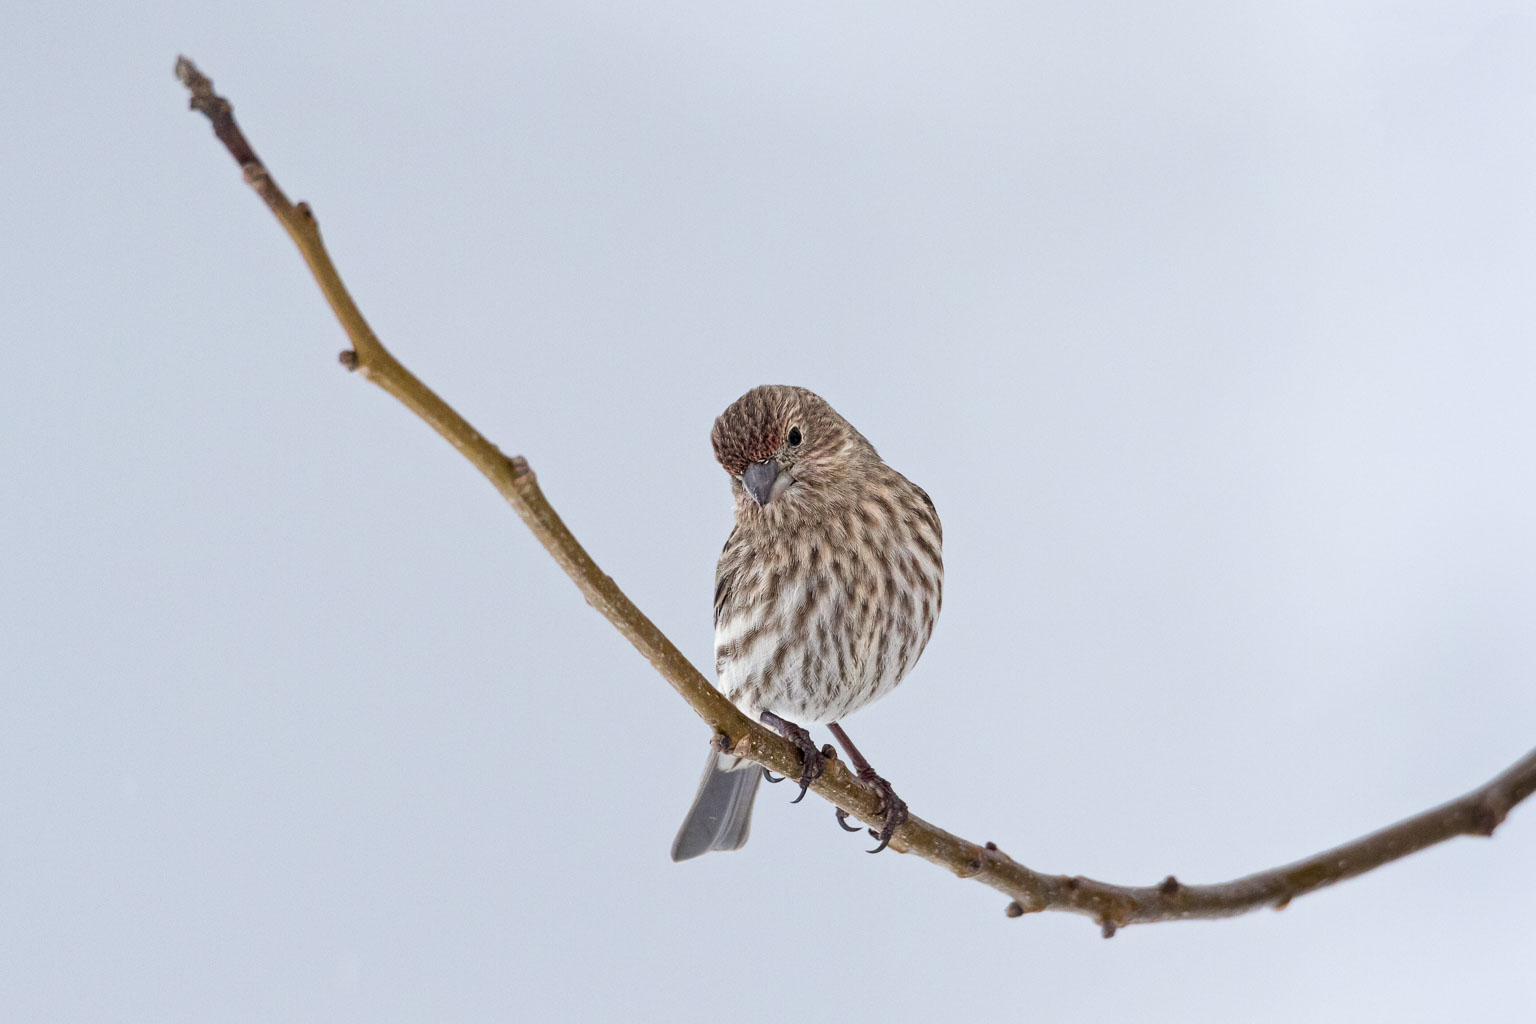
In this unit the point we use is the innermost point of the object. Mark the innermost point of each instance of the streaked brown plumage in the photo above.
(826, 592)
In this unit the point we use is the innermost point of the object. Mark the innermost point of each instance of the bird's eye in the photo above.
(794, 437)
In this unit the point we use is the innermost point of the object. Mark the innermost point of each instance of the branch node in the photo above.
(1107, 928)
(1282, 902)
(1489, 815)
(1169, 886)
(348, 359)
(1014, 909)
(720, 741)
(991, 845)
(520, 468)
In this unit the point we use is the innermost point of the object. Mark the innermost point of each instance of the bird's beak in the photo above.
(759, 479)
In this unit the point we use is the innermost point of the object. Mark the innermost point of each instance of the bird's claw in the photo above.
(842, 821)
(811, 766)
(772, 777)
(812, 761)
(895, 809)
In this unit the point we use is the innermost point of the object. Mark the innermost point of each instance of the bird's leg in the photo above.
(812, 763)
(895, 807)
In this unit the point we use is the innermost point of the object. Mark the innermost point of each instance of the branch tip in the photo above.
(219, 113)
(1107, 929)
(187, 73)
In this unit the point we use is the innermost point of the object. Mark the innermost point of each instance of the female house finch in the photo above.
(825, 594)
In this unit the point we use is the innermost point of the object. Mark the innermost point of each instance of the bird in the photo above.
(826, 593)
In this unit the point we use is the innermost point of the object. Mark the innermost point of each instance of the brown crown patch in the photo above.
(751, 430)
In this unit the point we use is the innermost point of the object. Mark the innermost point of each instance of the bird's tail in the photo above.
(722, 812)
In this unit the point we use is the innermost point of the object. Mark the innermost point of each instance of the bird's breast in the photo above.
(817, 627)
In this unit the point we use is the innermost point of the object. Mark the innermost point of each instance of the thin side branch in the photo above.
(1112, 906)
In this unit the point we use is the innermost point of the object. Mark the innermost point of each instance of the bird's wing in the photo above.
(726, 571)
(933, 513)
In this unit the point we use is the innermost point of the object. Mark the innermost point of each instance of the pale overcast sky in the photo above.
(1210, 328)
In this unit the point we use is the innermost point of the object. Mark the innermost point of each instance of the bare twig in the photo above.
(1112, 906)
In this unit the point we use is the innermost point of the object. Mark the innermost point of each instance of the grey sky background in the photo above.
(1209, 328)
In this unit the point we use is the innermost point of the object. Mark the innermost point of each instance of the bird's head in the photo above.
(788, 452)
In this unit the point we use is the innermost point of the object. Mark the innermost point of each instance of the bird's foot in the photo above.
(892, 807)
(812, 761)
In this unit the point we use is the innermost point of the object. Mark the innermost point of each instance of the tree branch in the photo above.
(1112, 906)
